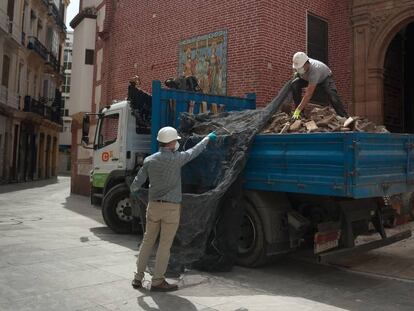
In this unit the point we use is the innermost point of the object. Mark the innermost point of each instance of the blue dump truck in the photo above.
(316, 190)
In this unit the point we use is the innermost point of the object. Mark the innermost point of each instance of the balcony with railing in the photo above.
(52, 63)
(35, 45)
(39, 107)
(8, 98)
(54, 12)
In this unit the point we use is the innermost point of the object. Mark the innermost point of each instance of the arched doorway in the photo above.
(378, 29)
(398, 89)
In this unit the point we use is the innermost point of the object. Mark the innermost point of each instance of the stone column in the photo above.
(54, 156)
(375, 94)
(49, 155)
(12, 81)
(361, 33)
(41, 155)
(37, 142)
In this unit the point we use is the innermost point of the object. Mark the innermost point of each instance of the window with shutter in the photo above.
(89, 54)
(317, 38)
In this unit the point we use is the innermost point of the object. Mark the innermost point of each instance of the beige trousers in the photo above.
(162, 219)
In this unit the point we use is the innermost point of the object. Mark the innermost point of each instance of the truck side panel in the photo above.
(355, 165)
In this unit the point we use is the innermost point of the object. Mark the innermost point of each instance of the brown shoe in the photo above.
(136, 284)
(164, 287)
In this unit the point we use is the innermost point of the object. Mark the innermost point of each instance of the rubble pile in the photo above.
(317, 118)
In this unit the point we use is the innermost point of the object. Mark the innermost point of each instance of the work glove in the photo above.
(296, 114)
(212, 136)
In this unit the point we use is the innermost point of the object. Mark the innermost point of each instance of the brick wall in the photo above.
(282, 32)
(109, 130)
(262, 37)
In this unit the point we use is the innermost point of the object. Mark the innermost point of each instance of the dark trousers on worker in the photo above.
(325, 92)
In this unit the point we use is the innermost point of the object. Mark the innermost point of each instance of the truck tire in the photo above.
(116, 209)
(252, 243)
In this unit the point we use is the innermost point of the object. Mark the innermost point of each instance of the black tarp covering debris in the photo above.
(211, 218)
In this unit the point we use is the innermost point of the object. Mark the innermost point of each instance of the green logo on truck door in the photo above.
(98, 179)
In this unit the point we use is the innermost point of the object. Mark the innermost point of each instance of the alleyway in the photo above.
(56, 254)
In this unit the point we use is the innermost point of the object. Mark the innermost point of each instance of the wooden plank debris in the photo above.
(317, 118)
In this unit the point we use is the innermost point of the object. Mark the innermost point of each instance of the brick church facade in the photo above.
(162, 39)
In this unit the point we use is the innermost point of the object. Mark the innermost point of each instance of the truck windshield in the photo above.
(108, 130)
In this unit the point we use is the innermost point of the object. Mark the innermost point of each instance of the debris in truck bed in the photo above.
(317, 118)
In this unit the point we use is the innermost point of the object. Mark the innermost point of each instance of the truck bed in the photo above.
(354, 165)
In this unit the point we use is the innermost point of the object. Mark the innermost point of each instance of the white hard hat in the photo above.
(167, 134)
(299, 59)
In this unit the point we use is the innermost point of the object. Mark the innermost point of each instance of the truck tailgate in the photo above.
(355, 165)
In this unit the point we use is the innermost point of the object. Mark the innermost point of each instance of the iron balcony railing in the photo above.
(52, 61)
(39, 107)
(54, 12)
(38, 47)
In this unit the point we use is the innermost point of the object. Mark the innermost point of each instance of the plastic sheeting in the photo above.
(210, 217)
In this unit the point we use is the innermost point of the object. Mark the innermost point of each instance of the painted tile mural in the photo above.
(205, 57)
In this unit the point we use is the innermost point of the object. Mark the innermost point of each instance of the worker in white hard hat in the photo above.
(317, 78)
(163, 211)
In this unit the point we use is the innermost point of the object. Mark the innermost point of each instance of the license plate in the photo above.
(326, 240)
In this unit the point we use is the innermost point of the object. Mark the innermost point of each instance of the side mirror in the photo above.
(85, 129)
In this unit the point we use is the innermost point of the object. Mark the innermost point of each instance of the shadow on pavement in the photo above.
(291, 279)
(81, 205)
(287, 277)
(165, 302)
(130, 241)
(18, 186)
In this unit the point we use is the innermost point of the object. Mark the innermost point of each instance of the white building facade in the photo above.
(65, 137)
(86, 24)
(32, 33)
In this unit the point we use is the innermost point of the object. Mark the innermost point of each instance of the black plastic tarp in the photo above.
(210, 218)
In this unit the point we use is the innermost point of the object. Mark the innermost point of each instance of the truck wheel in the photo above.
(116, 209)
(252, 244)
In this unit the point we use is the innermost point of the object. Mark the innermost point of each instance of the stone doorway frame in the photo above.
(373, 30)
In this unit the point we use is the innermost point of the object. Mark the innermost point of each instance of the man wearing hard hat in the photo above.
(163, 211)
(315, 76)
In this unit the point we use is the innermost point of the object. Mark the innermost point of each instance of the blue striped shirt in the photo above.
(164, 171)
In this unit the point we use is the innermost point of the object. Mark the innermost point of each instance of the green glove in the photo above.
(296, 114)
(212, 136)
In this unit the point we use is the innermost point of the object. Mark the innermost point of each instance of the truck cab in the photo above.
(119, 149)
